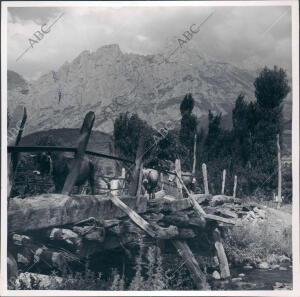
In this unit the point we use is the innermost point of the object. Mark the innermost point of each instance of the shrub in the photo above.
(256, 242)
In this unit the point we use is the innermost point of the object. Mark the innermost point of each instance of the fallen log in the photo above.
(198, 209)
(50, 210)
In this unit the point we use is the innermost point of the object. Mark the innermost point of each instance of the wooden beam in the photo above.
(51, 210)
(198, 209)
(82, 143)
(191, 263)
(153, 231)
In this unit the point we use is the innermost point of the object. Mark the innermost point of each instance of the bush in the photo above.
(257, 242)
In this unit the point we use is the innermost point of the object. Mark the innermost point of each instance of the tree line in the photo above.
(247, 150)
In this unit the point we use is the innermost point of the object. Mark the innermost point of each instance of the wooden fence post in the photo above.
(234, 186)
(223, 182)
(195, 157)
(279, 199)
(205, 181)
(178, 183)
(85, 133)
(224, 267)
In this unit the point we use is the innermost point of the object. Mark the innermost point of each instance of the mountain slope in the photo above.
(149, 85)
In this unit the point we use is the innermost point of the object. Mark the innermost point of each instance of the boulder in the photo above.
(216, 275)
(263, 265)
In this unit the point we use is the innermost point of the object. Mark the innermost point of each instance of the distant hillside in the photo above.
(99, 142)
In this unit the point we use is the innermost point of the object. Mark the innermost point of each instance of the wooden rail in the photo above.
(28, 149)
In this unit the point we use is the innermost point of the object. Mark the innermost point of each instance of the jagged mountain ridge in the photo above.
(147, 84)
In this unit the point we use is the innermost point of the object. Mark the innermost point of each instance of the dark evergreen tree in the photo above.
(271, 87)
(128, 129)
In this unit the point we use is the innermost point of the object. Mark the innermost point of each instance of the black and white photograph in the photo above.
(150, 148)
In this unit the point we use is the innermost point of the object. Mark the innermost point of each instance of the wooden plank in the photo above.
(50, 210)
(191, 263)
(82, 143)
(224, 267)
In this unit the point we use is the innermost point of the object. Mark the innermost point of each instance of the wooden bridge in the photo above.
(87, 224)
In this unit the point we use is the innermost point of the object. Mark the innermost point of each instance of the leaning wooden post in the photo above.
(191, 263)
(224, 267)
(234, 186)
(14, 157)
(279, 198)
(82, 143)
(178, 171)
(223, 182)
(205, 181)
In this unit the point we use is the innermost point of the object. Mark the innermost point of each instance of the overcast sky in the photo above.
(249, 37)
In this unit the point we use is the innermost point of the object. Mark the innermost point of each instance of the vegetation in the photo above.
(248, 150)
(150, 274)
(260, 242)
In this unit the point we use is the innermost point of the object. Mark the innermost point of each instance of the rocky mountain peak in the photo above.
(108, 82)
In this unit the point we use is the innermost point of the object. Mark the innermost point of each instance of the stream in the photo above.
(256, 279)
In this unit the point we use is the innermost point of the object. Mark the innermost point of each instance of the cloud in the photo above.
(245, 36)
